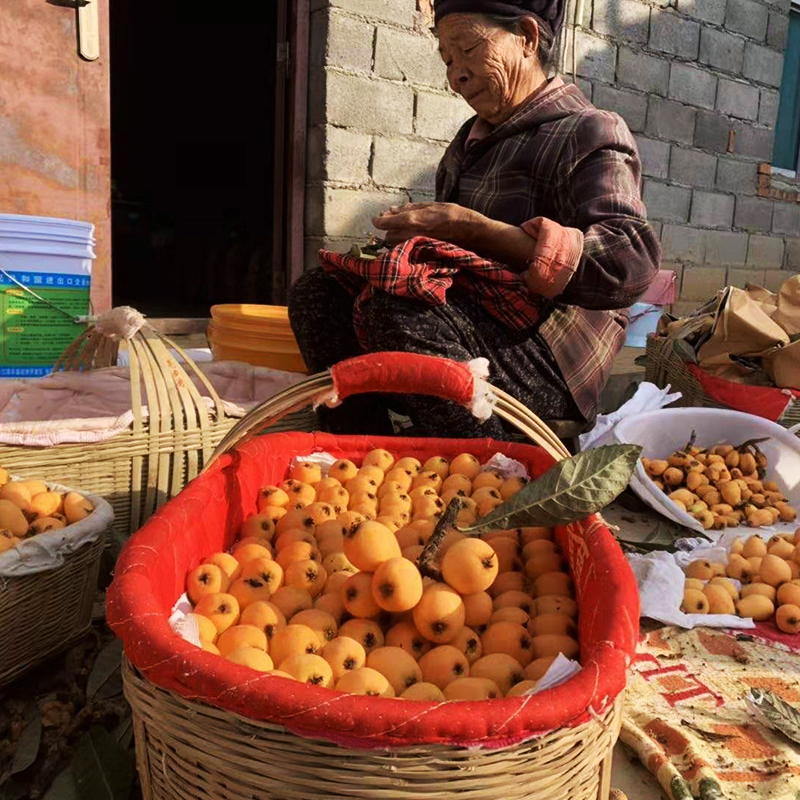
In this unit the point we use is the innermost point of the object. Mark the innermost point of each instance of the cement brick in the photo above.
(702, 283)
(399, 11)
(665, 202)
(725, 247)
(341, 41)
(369, 105)
(672, 34)
(753, 214)
(735, 176)
(631, 106)
(721, 50)
(587, 87)
(405, 163)
(347, 212)
(737, 99)
(654, 156)
(762, 64)
(669, 120)
(623, 19)
(748, 18)
(439, 116)
(707, 10)
(409, 57)
(712, 210)
(792, 261)
(692, 85)
(692, 167)
(596, 57)
(752, 276)
(766, 251)
(768, 108)
(777, 30)
(753, 142)
(711, 131)
(681, 243)
(644, 72)
(339, 154)
(786, 219)
(683, 308)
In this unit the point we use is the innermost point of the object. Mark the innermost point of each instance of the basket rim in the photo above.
(137, 617)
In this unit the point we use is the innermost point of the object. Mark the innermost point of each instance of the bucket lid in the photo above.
(24, 221)
(46, 247)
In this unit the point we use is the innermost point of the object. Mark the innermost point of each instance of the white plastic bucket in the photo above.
(51, 258)
(644, 320)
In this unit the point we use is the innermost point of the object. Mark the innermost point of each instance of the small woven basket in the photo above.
(44, 613)
(665, 367)
(138, 470)
(207, 728)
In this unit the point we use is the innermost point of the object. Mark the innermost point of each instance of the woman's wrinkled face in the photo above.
(494, 70)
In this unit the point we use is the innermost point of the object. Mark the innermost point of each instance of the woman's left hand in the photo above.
(447, 222)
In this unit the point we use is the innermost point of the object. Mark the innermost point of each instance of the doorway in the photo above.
(194, 114)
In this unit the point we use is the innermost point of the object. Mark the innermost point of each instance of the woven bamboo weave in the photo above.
(139, 470)
(189, 751)
(664, 366)
(43, 614)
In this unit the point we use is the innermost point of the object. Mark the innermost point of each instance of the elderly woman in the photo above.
(540, 181)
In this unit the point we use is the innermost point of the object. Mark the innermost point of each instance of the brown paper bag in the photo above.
(788, 311)
(742, 328)
(737, 369)
(783, 366)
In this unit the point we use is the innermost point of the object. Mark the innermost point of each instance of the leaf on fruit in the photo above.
(108, 663)
(101, 769)
(63, 787)
(28, 745)
(569, 491)
(684, 351)
(774, 712)
(123, 733)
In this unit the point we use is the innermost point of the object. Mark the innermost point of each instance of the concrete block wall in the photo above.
(697, 82)
(380, 116)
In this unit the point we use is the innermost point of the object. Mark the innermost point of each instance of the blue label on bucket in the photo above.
(34, 279)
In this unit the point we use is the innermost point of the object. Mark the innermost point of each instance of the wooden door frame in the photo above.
(291, 110)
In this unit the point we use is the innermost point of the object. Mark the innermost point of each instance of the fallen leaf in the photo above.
(28, 745)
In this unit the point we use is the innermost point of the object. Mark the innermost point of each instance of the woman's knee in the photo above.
(310, 287)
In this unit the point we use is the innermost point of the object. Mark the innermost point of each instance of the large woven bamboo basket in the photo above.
(665, 367)
(44, 613)
(174, 431)
(206, 728)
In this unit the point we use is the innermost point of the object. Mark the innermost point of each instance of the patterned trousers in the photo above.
(521, 364)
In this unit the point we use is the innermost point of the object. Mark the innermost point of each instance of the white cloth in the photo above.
(648, 397)
(95, 406)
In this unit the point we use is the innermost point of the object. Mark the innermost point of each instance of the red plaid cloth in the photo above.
(424, 269)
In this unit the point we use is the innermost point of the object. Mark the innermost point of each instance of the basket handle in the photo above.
(406, 373)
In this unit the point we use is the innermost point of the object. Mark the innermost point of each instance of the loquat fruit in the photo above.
(442, 665)
(472, 688)
(470, 566)
(292, 640)
(537, 669)
(553, 644)
(265, 616)
(366, 632)
(397, 585)
(344, 654)
(406, 636)
(501, 668)
(368, 544)
(522, 688)
(423, 692)
(252, 657)
(227, 563)
(206, 579)
(478, 609)
(271, 496)
(290, 601)
(365, 681)
(358, 598)
(322, 623)
(440, 613)
(250, 590)
(309, 668)
(469, 643)
(510, 638)
(397, 666)
(241, 636)
(222, 609)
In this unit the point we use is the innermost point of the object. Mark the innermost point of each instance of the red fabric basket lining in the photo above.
(204, 519)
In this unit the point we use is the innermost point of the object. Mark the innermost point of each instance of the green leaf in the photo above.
(101, 768)
(63, 787)
(28, 745)
(569, 491)
(107, 663)
(775, 712)
(684, 351)
(123, 733)
(640, 361)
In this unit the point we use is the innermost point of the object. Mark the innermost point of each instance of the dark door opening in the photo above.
(193, 120)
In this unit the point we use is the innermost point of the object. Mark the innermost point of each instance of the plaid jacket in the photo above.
(562, 159)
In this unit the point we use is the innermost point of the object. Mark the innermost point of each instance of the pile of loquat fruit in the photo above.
(722, 487)
(28, 507)
(325, 585)
(769, 575)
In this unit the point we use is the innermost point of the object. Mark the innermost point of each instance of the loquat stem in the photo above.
(426, 563)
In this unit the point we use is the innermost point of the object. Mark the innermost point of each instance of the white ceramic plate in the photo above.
(664, 431)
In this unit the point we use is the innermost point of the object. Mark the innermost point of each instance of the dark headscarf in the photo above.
(549, 11)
